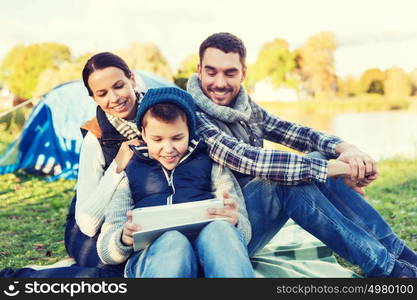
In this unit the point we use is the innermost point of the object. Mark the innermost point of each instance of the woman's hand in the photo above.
(128, 229)
(125, 154)
(229, 210)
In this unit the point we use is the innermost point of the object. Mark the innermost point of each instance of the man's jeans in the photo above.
(330, 211)
(219, 249)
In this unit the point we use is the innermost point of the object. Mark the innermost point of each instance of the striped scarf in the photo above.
(127, 128)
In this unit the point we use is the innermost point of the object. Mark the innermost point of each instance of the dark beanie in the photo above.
(173, 95)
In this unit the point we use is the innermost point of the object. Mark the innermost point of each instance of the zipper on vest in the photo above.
(170, 180)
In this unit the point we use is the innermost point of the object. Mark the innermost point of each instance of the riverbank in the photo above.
(363, 103)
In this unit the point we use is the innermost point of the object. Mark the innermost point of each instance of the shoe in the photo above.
(404, 269)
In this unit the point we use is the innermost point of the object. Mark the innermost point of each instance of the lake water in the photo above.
(381, 134)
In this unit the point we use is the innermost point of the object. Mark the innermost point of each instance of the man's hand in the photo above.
(125, 154)
(229, 211)
(128, 229)
(363, 166)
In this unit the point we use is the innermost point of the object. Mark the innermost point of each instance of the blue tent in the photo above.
(51, 139)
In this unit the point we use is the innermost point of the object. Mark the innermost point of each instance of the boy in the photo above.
(173, 167)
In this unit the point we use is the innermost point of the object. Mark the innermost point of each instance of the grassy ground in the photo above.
(32, 212)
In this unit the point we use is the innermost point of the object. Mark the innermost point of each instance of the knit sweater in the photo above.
(109, 246)
(95, 186)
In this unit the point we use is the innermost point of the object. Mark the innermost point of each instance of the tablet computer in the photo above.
(188, 218)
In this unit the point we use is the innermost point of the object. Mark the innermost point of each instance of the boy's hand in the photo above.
(128, 229)
(229, 211)
(125, 154)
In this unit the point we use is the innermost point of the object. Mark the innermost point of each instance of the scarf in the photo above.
(127, 128)
(241, 110)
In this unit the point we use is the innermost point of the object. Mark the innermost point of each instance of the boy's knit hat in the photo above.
(173, 95)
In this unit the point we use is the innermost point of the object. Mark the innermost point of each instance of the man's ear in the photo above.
(199, 71)
(244, 73)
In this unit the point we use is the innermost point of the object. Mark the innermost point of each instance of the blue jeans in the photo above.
(219, 250)
(330, 211)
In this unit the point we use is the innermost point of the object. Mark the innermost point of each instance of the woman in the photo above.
(104, 154)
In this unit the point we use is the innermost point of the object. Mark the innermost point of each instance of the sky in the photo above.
(369, 33)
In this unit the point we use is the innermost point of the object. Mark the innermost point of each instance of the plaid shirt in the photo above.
(276, 165)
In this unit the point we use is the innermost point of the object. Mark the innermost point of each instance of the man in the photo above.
(278, 185)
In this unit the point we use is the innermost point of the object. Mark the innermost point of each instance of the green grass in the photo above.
(33, 211)
(32, 214)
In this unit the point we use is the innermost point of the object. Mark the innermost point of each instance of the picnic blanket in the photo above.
(292, 253)
(295, 253)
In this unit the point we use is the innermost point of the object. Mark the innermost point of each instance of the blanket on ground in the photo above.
(292, 253)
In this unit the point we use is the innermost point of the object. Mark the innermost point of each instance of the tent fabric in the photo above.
(50, 141)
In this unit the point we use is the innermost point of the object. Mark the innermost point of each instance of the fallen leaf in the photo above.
(38, 247)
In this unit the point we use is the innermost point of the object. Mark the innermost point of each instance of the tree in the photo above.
(316, 63)
(146, 57)
(10, 60)
(372, 81)
(275, 62)
(187, 68)
(413, 79)
(27, 63)
(68, 70)
(397, 83)
(349, 86)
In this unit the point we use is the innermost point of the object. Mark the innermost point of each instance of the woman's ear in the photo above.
(133, 80)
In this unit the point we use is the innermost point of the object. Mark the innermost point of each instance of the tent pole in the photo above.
(18, 106)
